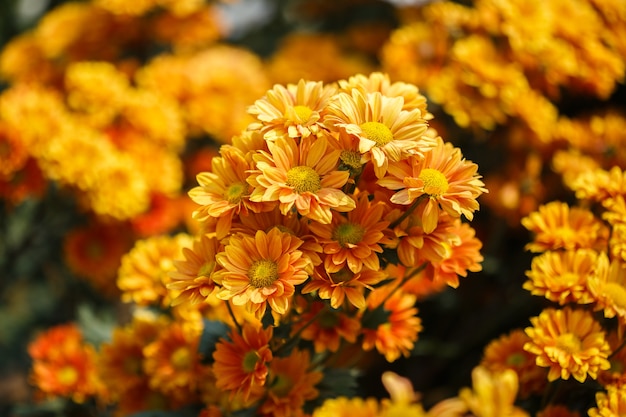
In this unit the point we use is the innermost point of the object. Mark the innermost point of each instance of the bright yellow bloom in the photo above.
(304, 176)
(599, 184)
(386, 133)
(561, 276)
(557, 226)
(611, 403)
(262, 269)
(569, 342)
(294, 110)
(442, 177)
(608, 287)
(348, 407)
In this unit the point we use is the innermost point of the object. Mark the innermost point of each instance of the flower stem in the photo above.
(408, 212)
(232, 316)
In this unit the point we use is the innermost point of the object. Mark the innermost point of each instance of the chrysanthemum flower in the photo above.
(608, 287)
(380, 82)
(561, 276)
(610, 403)
(13, 152)
(327, 327)
(507, 352)
(144, 274)
(443, 177)
(338, 286)
(262, 269)
(192, 278)
(354, 240)
(557, 226)
(599, 184)
(303, 176)
(290, 384)
(295, 110)
(163, 215)
(224, 192)
(569, 342)
(492, 394)
(395, 336)
(348, 407)
(386, 133)
(64, 365)
(241, 362)
(172, 362)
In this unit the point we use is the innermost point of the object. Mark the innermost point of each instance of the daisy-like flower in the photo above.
(492, 394)
(354, 240)
(304, 176)
(561, 276)
(295, 110)
(64, 365)
(348, 407)
(558, 226)
(599, 184)
(610, 403)
(192, 277)
(443, 178)
(569, 342)
(608, 287)
(172, 362)
(396, 335)
(224, 192)
(385, 131)
(145, 271)
(507, 352)
(262, 269)
(327, 327)
(241, 362)
(290, 384)
(338, 286)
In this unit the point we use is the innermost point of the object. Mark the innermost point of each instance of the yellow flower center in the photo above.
(348, 233)
(568, 342)
(68, 375)
(616, 293)
(435, 183)
(304, 179)
(342, 275)
(351, 160)
(181, 358)
(250, 359)
(94, 250)
(377, 132)
(263, 273)
(516, 359)
(302, 113)
(235, 192)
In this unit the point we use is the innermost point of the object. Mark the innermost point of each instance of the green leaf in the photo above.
(212, 333)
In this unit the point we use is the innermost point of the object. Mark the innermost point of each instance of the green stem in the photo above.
(232, 315)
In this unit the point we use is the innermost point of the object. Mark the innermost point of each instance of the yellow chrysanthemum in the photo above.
(562, 276)
(599, 184)
(611, 403)
(608, 287)
(262, 269)
(557, 226)
(569, 342)
(445, 180)
(348, 407)
(294, 110)
(303, 176)
(386, 133)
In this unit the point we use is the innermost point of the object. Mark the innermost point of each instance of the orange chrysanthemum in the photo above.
(396, 335)
(507, 352)
(557, 226)
(561, 276)
(241, 363)
(610, 403)
(354, 240)
(326, 327)
(295, 110)
(304, 176)
(290, 384)
(608, 287)
(163, 215)
(64, 365)
(262, 269)
(442, 177)
(386, 132)
(338, 286)
(569, 342)
(225, 192)
(193, 276)
(28, 182)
